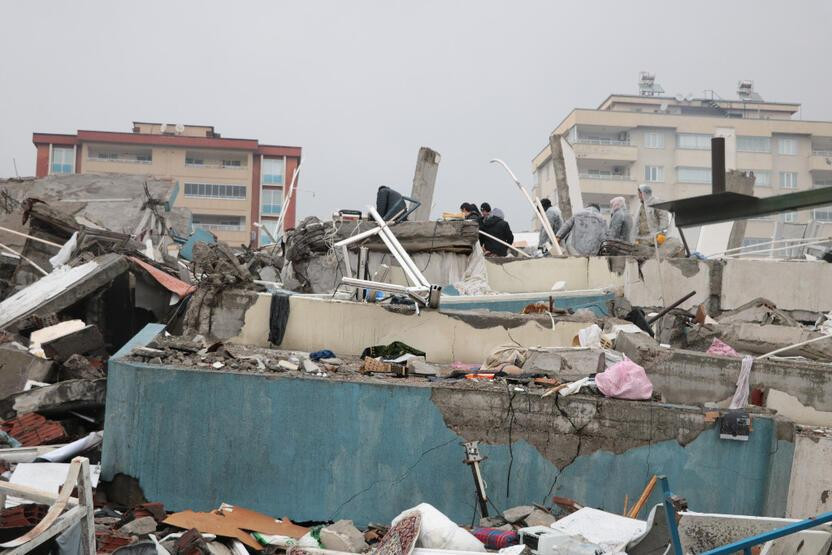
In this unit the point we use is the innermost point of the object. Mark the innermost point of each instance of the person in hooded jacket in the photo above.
(584, 232)
(496, 225)
(621, 224)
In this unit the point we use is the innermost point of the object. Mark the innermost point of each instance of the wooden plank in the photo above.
(85, 497)
(66, 521)
(643, 499)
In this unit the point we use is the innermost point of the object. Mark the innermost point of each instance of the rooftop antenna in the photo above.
(14, 162)
(647, 85)
(746, 92)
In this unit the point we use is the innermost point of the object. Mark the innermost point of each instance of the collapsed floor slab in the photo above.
(328, 449)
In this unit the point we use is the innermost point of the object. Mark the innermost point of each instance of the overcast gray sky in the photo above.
(362, 85)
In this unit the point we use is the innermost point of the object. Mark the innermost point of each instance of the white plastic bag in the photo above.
(440, 532)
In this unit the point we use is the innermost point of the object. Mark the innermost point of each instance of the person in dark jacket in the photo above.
(485, 210)
(470, 212)
(496, 225)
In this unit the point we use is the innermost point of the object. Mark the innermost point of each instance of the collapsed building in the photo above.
(389, 373)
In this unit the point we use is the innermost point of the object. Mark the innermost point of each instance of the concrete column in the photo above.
(738, 182)
(424, 181)
(561, 185)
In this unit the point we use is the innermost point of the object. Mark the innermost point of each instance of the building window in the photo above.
(653, 140)
(752, 241)
(63, 160)
(694, 141)
(273, 171)
(654, 174)
(135, 157)
(787, 146)
(762, 178)
(271, 225)
(788, 180)
(822, 182)
(271, 201)
(823, 214)
(693, 175)
(790, 217)
(753, 144)
(215, 190)
(216, 222)
(232, 163)
(191, 161)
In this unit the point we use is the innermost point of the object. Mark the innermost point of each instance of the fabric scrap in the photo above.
(494, 538)
(278, 317)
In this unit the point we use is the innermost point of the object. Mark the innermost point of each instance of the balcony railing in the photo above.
(601, 141)
(605, 177)
(118, 160)
(220, 227)
(215, 165)
(821, 152)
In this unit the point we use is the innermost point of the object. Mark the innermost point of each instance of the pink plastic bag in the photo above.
(721, 348)
(625, 380)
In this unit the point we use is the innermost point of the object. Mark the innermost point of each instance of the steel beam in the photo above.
(726, 207)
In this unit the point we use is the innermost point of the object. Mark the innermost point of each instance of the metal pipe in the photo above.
(758, 245)
(670, 307)
(420, 279)
(369, 284)
(540, 217)
(670, 514)
(38, 239)
(405, 267)
(790, 347)
(35, 266)
(527, 255)
(359, 237)
(793, 246)
(747, 543)
(288, 200)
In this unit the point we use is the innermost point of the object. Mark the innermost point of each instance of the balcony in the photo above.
(613, 150)
(615, 184)
(820, 161)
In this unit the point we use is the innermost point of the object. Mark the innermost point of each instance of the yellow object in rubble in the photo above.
(660, 238)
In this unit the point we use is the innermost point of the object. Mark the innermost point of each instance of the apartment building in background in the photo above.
(228, 184)
(666, 140)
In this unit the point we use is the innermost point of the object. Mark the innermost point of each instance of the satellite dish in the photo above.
(689, 97)
(180, 128)
(680, 97)
(663, 107)
(163, 128)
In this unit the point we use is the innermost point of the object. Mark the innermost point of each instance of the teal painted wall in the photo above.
(315, 448)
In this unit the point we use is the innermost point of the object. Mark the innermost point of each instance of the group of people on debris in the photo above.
(583, 233)
(496, 233)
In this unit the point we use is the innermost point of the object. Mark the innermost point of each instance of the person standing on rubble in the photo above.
(584, 232)
(470, 212)
(621, 224)
(485, 210)
(496, 225)
(555, 220)
(652, 223)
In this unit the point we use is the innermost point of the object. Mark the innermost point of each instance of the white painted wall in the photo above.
(810, 488)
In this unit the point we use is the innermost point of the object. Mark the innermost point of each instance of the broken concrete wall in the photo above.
(347, 328)
(810, 490)
(696, 378)
(791, 285)
(249, 445)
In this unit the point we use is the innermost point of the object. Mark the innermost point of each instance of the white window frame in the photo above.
(698, 141)
(790, 217)
(263, 204)
(654, 174)
(753, 143)
(787, 146)
(703, 181)
(263, 173)
(65, 151)
(241, 226)
(653, 139)
(826, 214)
(758, 174)
(214, 190)
(786, 181)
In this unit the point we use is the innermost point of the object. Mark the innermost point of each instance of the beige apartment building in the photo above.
(666, 141)
(228, 184)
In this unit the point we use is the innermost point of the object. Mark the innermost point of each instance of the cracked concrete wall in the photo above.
(810, 491)
(692, 377)
(801, 287)
(327, 449)
(347, 328)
